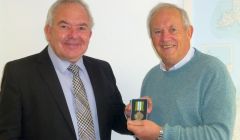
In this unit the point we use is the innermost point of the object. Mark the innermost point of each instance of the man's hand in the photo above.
(144, 129)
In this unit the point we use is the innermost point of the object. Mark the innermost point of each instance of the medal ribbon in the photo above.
(139, 106)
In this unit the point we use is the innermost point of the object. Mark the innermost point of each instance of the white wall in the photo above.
(119, 37)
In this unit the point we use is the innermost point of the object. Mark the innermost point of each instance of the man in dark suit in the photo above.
(37, 100)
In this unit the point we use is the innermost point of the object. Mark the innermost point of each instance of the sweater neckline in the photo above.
(195, 56)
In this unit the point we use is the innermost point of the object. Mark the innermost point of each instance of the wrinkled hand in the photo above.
(144, 129)
(149, 109)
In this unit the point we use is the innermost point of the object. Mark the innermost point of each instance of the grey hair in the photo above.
(160, 6)
(55, 5)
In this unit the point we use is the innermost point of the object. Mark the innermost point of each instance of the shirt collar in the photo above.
(62, 65)
(185, 60)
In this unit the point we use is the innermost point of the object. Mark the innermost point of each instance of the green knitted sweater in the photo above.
(194, 102)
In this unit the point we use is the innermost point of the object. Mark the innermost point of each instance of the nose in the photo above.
(73, 33)
(165, 35)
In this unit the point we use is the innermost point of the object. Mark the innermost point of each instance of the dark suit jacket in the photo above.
(33, 106)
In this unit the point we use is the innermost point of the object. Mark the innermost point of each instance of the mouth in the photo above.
(72, 46)
(72, 43)
(167, 46)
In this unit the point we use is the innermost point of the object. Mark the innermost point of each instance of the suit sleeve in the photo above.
(10, 106)
(120, 122)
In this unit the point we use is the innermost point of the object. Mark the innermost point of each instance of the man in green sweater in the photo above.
(192, 93)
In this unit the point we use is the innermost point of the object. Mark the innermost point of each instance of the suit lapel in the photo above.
(49, 75)
(96, 81)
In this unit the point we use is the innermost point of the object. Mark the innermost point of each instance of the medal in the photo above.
(139, 109)
(138, 116)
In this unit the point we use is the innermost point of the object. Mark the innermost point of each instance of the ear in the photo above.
(47, 31)
(90, 34)
(189, 31)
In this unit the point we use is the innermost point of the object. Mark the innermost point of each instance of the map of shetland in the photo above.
(225, 25)
(232, 16)
(227, 17)
(217, 32)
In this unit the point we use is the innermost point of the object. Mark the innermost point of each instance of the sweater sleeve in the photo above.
(217, 110)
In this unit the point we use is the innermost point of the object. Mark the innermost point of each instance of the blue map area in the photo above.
(217, 32)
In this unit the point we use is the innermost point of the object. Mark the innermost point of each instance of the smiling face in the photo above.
(70, 31)
(170, 37)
